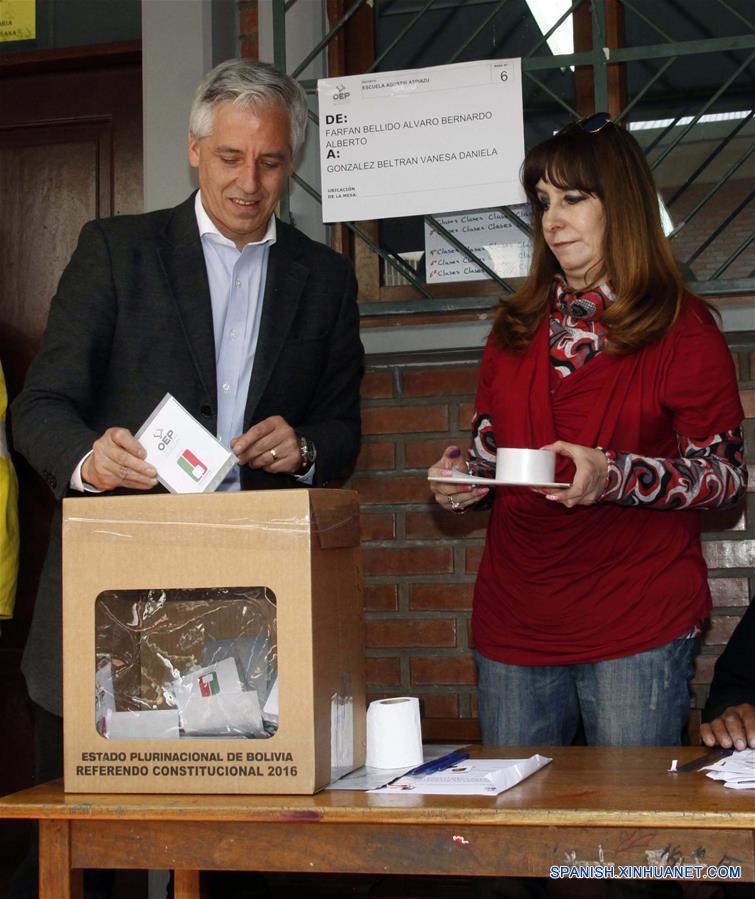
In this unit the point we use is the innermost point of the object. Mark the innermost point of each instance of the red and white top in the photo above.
(561, 586)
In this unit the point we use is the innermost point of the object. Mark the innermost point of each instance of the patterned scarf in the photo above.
(576, 334)
(587, 305)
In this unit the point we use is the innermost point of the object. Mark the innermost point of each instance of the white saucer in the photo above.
(490, 482)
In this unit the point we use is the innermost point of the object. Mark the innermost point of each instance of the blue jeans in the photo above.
(640, 700)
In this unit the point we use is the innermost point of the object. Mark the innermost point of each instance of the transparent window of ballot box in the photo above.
(186, 663)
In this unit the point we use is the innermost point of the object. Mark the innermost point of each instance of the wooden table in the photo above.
(591, 806)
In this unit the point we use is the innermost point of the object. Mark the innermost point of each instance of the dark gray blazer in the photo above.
(132, 320)
(734, 674)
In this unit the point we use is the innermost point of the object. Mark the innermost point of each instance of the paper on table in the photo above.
(476, 777)
(367, 778)
(737, 771)
(341, 732)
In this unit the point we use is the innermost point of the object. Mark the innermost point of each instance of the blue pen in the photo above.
(441, 764)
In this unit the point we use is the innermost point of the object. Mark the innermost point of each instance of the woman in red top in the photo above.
(589, 600)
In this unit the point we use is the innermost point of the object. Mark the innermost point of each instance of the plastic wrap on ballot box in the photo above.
(186, 663)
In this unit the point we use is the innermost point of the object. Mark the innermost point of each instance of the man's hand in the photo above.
(271, 445)
(117, 460)
(735, 727)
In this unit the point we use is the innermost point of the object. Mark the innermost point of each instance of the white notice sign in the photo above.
(421, 140)
(501, 245)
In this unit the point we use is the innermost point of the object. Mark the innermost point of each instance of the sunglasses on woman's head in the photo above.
(591, 124)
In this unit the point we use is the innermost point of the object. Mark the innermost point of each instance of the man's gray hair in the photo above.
(250, 84)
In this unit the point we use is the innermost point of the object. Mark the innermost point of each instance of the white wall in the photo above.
(176, 52)
(305, 27)
(181, 41)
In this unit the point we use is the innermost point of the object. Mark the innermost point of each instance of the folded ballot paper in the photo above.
(737, 771)
(212, 701)
(186, 455)
(472, 777)
(153, 724)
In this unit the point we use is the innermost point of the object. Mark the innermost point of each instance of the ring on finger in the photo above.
(273, 454)
(123, 472)
(454, 506)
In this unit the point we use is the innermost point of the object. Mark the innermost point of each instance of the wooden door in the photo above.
(70, 151)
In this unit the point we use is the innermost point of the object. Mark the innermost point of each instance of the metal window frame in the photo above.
(599, 60)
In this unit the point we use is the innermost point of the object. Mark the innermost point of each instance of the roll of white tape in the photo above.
(394, 733)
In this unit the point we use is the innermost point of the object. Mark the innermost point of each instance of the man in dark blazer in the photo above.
(253, 327)
(729, 713)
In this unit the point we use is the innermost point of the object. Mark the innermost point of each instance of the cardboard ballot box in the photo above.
(212, 643)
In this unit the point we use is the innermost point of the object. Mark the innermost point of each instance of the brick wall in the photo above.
(420, 562)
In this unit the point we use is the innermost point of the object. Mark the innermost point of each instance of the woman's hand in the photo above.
(456, 497)
(590, 477)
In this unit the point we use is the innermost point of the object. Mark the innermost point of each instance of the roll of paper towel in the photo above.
(394, 733)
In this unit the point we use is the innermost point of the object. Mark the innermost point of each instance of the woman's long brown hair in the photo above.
(638, 262)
